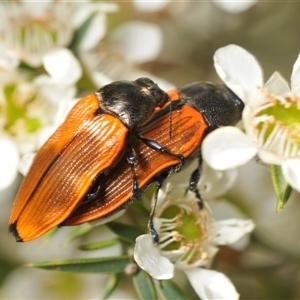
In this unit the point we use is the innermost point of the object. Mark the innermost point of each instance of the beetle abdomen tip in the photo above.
(13, 230)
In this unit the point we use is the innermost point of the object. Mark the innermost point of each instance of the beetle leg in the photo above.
(157, 146)
(131, 158)
(95, 189)
(159, 181)
(195, 176)
(194, 179)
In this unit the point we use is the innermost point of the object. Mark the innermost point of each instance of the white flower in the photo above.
(63, 108)
(20, 109)
(9, 158)
(133, 43)
(271, 117)
(212, 185)
(63, 71)
(29, 106)
(140, 41)
(97, 27)
(8, 60)
(189, 239)
(234, 6)
(150, 6)
(31, 29)
(211, 285)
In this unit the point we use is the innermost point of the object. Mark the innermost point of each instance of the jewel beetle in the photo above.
(93, 138)
(116, 192)
(195, 110)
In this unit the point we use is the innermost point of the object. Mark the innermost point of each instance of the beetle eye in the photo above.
(157, 94)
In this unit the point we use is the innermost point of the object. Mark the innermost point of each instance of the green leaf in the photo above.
(86, 265)
(125, 232)
(111, 285)
(77, 232)
(98, 245)
(143, 284)
(169, 290)
(281, 187)
(48, 236)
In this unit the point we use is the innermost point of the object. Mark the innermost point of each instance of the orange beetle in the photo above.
(201, 107)
(92, 140)
(188, 127)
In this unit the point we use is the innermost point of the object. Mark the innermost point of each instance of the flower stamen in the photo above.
(277, 127)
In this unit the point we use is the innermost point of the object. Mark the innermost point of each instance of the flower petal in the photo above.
(141, 41)
(295, 78)
(230, 231)
(85, 10)
(9, 159)
(214, 183)
(277, 84)
(268, 157)
(240, 71)
(25, 163)
(227, 148)
(8, 60)
(52, 90)
(100, 78)
(97, 27)
(234, 7)
(150, 6)
(95, 32)
(224, 209)
(209, 284)
(291, 172)
(296, 90)
(62, 66)
(148, 257)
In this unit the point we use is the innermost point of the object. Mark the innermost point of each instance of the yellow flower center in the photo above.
(184, 230)
(15, 110)
(278, 127)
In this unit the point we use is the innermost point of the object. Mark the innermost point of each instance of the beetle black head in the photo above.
(133, 102)
(219, 105)
(153, 90)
